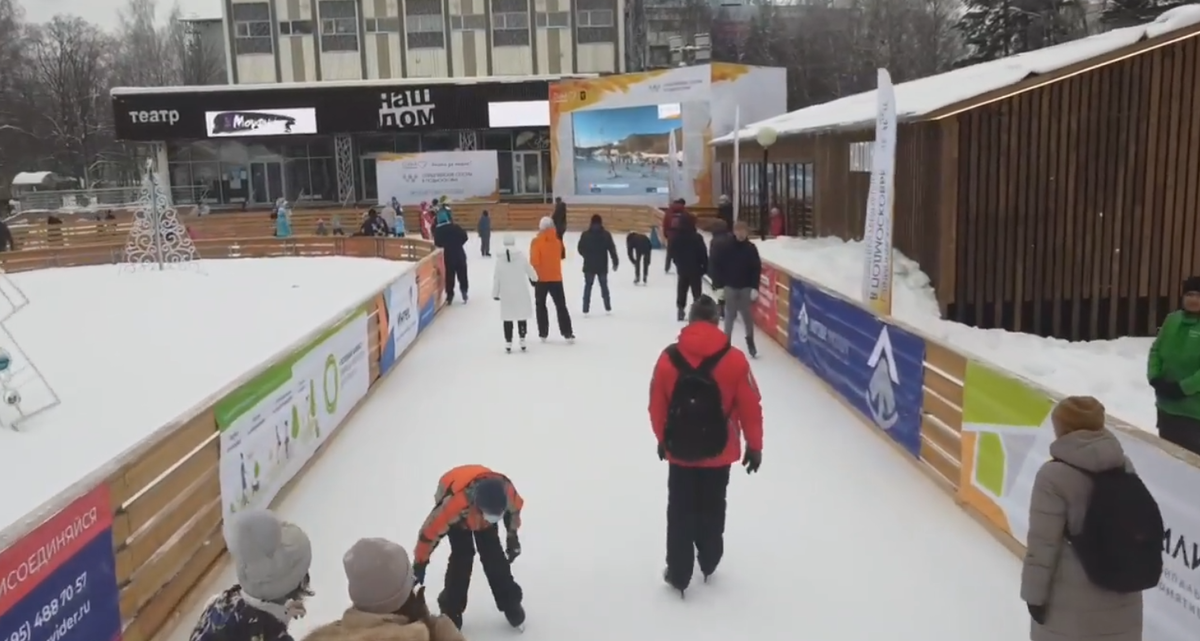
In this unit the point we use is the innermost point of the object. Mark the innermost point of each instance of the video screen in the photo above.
(626, 151)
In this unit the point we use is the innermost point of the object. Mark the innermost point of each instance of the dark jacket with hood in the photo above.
(688, 251)
(740, 266)
(451, 238)
(721, 240)
(637, 243)
(677, 216)
(596, 247)
(374, 225)
(559, 217)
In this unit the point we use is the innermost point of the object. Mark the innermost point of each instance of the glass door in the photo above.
(266, 182)
(527, 173)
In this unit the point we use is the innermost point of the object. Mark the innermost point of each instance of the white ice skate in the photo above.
(522, 343)
(508, 347)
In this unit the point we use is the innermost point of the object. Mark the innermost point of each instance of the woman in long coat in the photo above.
(1064, 604)
(510, 286)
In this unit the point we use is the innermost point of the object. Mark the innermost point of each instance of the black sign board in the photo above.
(180, 115)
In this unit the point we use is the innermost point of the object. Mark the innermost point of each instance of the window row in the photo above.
(256, 183)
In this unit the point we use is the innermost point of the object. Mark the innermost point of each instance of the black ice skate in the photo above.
(508, 348)
(674, 586)
(456, 619)
(679, 314)
(516, 617)
(464, 298)
(750, 347)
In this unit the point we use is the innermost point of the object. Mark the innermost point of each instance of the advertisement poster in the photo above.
(765, 316)
(59, 582)
(272, 426)
(461, 176)
(877, 246)
(877, 368)
(261, 122)
(431, 290)
(403, 306)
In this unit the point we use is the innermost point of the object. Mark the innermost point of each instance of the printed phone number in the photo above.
(49, 613)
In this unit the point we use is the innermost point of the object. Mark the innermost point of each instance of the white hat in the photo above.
(545, 223)
(271, 557)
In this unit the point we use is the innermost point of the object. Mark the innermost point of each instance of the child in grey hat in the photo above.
(271, 558)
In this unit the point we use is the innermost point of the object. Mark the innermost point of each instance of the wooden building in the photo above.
(1056, 192)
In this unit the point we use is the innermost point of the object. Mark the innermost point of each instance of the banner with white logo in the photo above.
(260, 122)
(404, 315)
(461, 176)
(877, 241)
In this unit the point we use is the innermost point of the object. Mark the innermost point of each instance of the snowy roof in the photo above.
(926, 95)
(27, 178)
(336, 84)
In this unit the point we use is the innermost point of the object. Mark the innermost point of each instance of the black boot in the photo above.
(673, 584)
(515, 616)
(750, 347)
(679, 315)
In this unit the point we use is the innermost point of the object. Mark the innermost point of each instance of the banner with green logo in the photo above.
(271, 426)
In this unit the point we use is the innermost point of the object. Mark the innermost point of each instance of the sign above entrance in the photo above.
(260, 122)
(406, 109)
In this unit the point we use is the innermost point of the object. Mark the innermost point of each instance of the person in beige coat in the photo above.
(1064, 604)
(380, 580)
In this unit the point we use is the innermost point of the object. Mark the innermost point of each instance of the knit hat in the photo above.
(1191, 284)
(545, 223)
(704, 309)
(379, 575)
(271, 557)
(1077, 414)
(490, 496)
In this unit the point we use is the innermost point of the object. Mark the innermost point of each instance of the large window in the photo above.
(510, 29)
(383, 25)
(252, 28)
(424, 24)
(339, 25)
(554, 19)
(475, 22)
(789, 186)
(596, 18)
(218, 172)
(296, 28)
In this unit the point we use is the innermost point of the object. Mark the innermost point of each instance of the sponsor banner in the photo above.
(461, 176)
(765, 316)
(431, 289)
(877, 241)
(403, 319)
(59, 582)
(272, 426)
(260, 122)
(876, 367)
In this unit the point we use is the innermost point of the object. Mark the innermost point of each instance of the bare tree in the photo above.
(145, 55)
(201, 60)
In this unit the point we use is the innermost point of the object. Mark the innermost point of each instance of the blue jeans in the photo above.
(588, 280)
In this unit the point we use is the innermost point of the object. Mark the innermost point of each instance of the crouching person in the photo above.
(271, 559)
(384, 606)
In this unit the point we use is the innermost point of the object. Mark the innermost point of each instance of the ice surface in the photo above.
(1113, 371)
(836, 538)
(130, 352)
(926, 95)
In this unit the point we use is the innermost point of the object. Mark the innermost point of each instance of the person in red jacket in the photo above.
(703, 402)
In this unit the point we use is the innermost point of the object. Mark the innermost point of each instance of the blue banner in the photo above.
(878, 368)
(402, 304)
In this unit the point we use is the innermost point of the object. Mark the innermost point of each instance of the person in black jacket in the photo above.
(373, 225)
(638, 246)
(725, 211)
(740, 269)
(596, 247)
(453, 240)
(7, 243)
(560, 221)
(690, 256)
(721, 239)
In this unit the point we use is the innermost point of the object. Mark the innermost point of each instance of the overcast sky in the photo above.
(104, 12)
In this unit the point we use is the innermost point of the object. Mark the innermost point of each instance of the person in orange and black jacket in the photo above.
(696, 486)
(545, 254)
(470, 502)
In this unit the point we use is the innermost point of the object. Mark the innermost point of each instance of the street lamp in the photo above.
(766, 137)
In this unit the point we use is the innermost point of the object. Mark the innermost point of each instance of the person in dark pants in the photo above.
(638, 246)
(484, 228)
(721, 238)
(690, 255)
(1174, 371)
(740, 270)
(725, 211)
(596, 247)
(545, 254)
(470, 502)
(453, 240)
(560, 221)
(702, 370)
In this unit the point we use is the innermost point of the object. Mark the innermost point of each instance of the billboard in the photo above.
(260, 122)
(624, 151)
(462, 176)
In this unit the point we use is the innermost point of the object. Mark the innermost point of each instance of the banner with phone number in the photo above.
(59, 583)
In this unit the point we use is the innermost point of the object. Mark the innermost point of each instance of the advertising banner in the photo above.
(431, 289)
(261, 122)
(403, 319)
(877, 241)
(272, 426)
(877, 368)
(461, 176)
(59, 582)
(765, 316)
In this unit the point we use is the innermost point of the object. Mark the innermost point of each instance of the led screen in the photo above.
(624, 151)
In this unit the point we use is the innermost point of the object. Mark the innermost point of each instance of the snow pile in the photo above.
(1113, 371)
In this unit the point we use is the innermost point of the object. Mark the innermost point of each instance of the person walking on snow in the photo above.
(510, 286)
(545, 254)
(484, 228)
(740, 269)
(1174, 371)
(722, 236)
(560, 221)
(453, 240)
(596, 247)
(690, 255)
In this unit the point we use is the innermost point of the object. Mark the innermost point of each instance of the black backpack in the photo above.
(697, 427)
(1120, 546)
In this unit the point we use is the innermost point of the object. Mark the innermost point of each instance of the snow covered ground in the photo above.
(1113, 371)
(129, 352)
(835, 526)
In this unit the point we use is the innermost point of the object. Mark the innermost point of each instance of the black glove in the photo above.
(495, 298)
(1037, 613)
(513, 547)
(752, 460)
(1169, 390)
(419, 572)
(662, 451)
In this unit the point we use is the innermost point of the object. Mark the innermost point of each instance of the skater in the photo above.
(596, 247)
(384, 605)
(676, 218)
(721, 238)
(453, 239)
(638, 246)
(471, 501)
(740, 269)
(510, 286)
(691, 262)
(545, 254)
(725, 211)
(373, 225)
(703, 402)
(283, 220)
(560, 220)
(484, 228)
(271, 560)
(1174, 371)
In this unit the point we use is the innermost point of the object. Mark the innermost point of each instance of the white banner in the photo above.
(404, 311)
(462, 176)
(260, 122)
(737, 162)
(877, 239)
(273, 425)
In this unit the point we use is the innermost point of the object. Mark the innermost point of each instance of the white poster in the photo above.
(461, 176)
(271, 426)
(404, 311)
(877, 237)
(260, 122)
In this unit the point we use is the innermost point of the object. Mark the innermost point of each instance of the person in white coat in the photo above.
(510, 286)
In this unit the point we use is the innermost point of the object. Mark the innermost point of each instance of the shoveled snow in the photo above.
(926, 95)
(1113, 371)
(129, 352)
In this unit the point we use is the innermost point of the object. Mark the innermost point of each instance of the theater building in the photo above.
(247, 145)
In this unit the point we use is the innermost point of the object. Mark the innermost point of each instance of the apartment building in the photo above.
(272, 41)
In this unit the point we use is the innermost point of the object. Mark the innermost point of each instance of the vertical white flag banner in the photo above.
(672, 158)
(877, 238)
(737, 164)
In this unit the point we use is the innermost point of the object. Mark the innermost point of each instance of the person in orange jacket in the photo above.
(470, 502)
(545, 254)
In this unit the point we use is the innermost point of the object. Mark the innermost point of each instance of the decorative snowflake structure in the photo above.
(157, 238)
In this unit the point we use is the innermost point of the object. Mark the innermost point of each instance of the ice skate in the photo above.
(679, 314)
(456, 619)
(464, 295)
(750, 347)
(522, 343)
(570, 339)
(508, 347)
(668, 581)
(543, 338)
(516, 617)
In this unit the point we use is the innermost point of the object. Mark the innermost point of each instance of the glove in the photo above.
(495, 298)
(1170, 390)
(419, 572)
(1037, 613)
(513, 547)
(662, 452)
(753, 295)
(752, 460)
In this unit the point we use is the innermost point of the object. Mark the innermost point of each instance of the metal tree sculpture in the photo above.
(157, 238)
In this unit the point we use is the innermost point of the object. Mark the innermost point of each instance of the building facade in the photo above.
(276, 41)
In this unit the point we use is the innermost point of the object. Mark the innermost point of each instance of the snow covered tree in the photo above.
(1127, 13)
(993, 29)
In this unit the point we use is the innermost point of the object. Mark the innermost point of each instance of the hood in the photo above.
(356, 625)
(546, 235)
(1092, 451)
(597, 221)
(701, 339)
